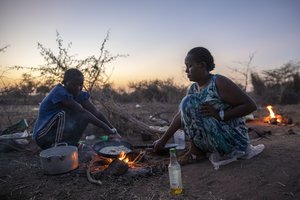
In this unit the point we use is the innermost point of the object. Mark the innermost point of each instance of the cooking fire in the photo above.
(127, 165)
(275, 119)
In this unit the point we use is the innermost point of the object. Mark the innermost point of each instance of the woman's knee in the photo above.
(189, 106)
(45, 142)
(187, 103)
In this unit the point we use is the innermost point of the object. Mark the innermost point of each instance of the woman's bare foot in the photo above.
(193, 155)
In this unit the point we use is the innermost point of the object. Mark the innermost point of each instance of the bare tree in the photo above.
(4, 48)
(93, 67)
(4, 88)
(245, 72)
(281, 85)
(258, 84)
(283, 78)
(56, 65)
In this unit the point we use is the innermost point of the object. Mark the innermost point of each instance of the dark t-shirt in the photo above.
(51, 105)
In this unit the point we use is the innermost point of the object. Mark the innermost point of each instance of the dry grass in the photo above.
(10, 114)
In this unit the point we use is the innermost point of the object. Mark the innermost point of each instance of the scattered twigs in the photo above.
(19, 162)
(19, 188)
(139, 157)
(289, 194)
(3, 181)
(88, 172)
(279, 183)
(261, 134)
(285, 173)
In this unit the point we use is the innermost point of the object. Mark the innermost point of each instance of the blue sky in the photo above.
(156, 34)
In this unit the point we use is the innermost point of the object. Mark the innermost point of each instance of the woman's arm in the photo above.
(73, 105)
(91, 108)
(174, 126)
(230, 93)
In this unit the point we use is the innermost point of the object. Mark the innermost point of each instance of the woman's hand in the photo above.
(208, 110)
(158, 145)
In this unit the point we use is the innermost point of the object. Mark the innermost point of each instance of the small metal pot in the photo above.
(59, 159)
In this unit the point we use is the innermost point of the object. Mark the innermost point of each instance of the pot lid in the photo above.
(58, 151)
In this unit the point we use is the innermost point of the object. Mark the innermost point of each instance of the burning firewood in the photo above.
(127, 167)
(275, 119)
(117, 167)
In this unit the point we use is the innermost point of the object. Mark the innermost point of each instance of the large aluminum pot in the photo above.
(59, 159)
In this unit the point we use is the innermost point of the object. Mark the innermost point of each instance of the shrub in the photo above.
(279, 86)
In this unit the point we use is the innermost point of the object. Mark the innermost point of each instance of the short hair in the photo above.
(71, 74)
(201, 54)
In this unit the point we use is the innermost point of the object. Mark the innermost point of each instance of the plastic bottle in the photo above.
(175, 174)
(179, 139)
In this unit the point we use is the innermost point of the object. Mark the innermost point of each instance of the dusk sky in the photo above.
(156, 34)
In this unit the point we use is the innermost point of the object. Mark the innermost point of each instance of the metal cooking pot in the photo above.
(59, 159)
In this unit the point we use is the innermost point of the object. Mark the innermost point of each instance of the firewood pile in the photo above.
(127, 123)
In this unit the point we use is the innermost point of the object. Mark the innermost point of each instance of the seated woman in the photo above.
(211, 112)
(65, 113)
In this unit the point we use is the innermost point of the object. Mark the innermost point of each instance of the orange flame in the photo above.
(273, 115)
(122, 157)
(133, 163)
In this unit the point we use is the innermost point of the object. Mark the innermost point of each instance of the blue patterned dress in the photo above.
(206, 132)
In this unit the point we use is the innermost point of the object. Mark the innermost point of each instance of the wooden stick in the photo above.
(88, 173)
(115, 110)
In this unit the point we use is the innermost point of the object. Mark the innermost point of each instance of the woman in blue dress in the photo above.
(211, 113)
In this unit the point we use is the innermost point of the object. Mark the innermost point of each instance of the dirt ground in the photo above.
(274, 174)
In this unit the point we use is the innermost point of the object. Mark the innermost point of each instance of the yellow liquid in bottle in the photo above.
(174, 175)
(176, 191)
(175, 180)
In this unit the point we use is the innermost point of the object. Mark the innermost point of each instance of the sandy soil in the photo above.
(274, 174)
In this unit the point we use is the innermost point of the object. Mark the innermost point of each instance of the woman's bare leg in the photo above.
(192, 155)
